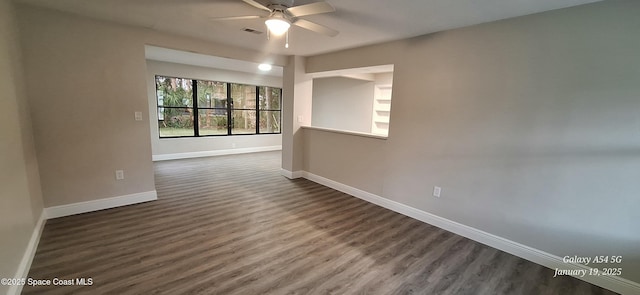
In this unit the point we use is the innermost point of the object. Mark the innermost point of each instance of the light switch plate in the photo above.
(436, 191)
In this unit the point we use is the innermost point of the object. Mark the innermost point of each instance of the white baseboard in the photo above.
(176, 156)
(29, 253)
(291, 175)
(95, 205)
(614, 283)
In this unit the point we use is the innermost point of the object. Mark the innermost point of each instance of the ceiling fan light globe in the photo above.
(277, 26)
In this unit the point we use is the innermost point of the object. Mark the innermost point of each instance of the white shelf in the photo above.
(381, 109)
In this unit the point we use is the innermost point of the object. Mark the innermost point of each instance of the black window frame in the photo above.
(229, 109)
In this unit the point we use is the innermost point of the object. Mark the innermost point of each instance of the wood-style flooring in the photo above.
(234, 225)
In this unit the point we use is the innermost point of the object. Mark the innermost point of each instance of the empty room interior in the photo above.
(320, 147)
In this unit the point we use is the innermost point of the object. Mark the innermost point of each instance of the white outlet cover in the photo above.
(300, 119)
(138, 116)
(119, 174)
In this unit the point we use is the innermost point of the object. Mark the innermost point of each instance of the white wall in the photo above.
(530, 125)
(166, 146)
(342, 103)
(20, 193)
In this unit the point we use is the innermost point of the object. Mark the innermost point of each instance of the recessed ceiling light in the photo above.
(264, 67)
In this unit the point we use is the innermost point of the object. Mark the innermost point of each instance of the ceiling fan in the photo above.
(283, 14)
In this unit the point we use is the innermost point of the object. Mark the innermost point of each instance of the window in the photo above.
(212, 108)
(188, 108)
(175, 106)
(269, 99)
(243, 109)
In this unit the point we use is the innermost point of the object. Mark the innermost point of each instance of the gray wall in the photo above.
(342, 103)
(20, 194)
(530, 125)
(86, 80)
(186, 145)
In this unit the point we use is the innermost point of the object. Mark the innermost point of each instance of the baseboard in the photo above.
(613, 283)
(291, 175)
(95, 205)
(29, 253)
(165, 157)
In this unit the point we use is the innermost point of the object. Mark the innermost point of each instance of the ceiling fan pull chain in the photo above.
(286, 45)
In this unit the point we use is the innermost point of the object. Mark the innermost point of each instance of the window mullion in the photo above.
(257, 109)
(194, 96)
(229, 108)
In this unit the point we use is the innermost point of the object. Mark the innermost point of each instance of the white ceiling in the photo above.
(360, 22)
(201, 60)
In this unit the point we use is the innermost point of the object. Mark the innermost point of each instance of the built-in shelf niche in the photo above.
(381, 109)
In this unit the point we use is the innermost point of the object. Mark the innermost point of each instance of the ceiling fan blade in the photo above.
(309, 9)
(257, 4)
(318, 28)
(237, 17)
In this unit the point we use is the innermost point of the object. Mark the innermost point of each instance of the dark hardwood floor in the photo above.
(233, 225)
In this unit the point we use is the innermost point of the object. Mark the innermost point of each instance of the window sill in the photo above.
(363, 134)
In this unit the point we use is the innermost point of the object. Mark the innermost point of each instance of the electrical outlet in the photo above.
(138, 116)
(300, 119)
(119, 174)
(436, 191)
